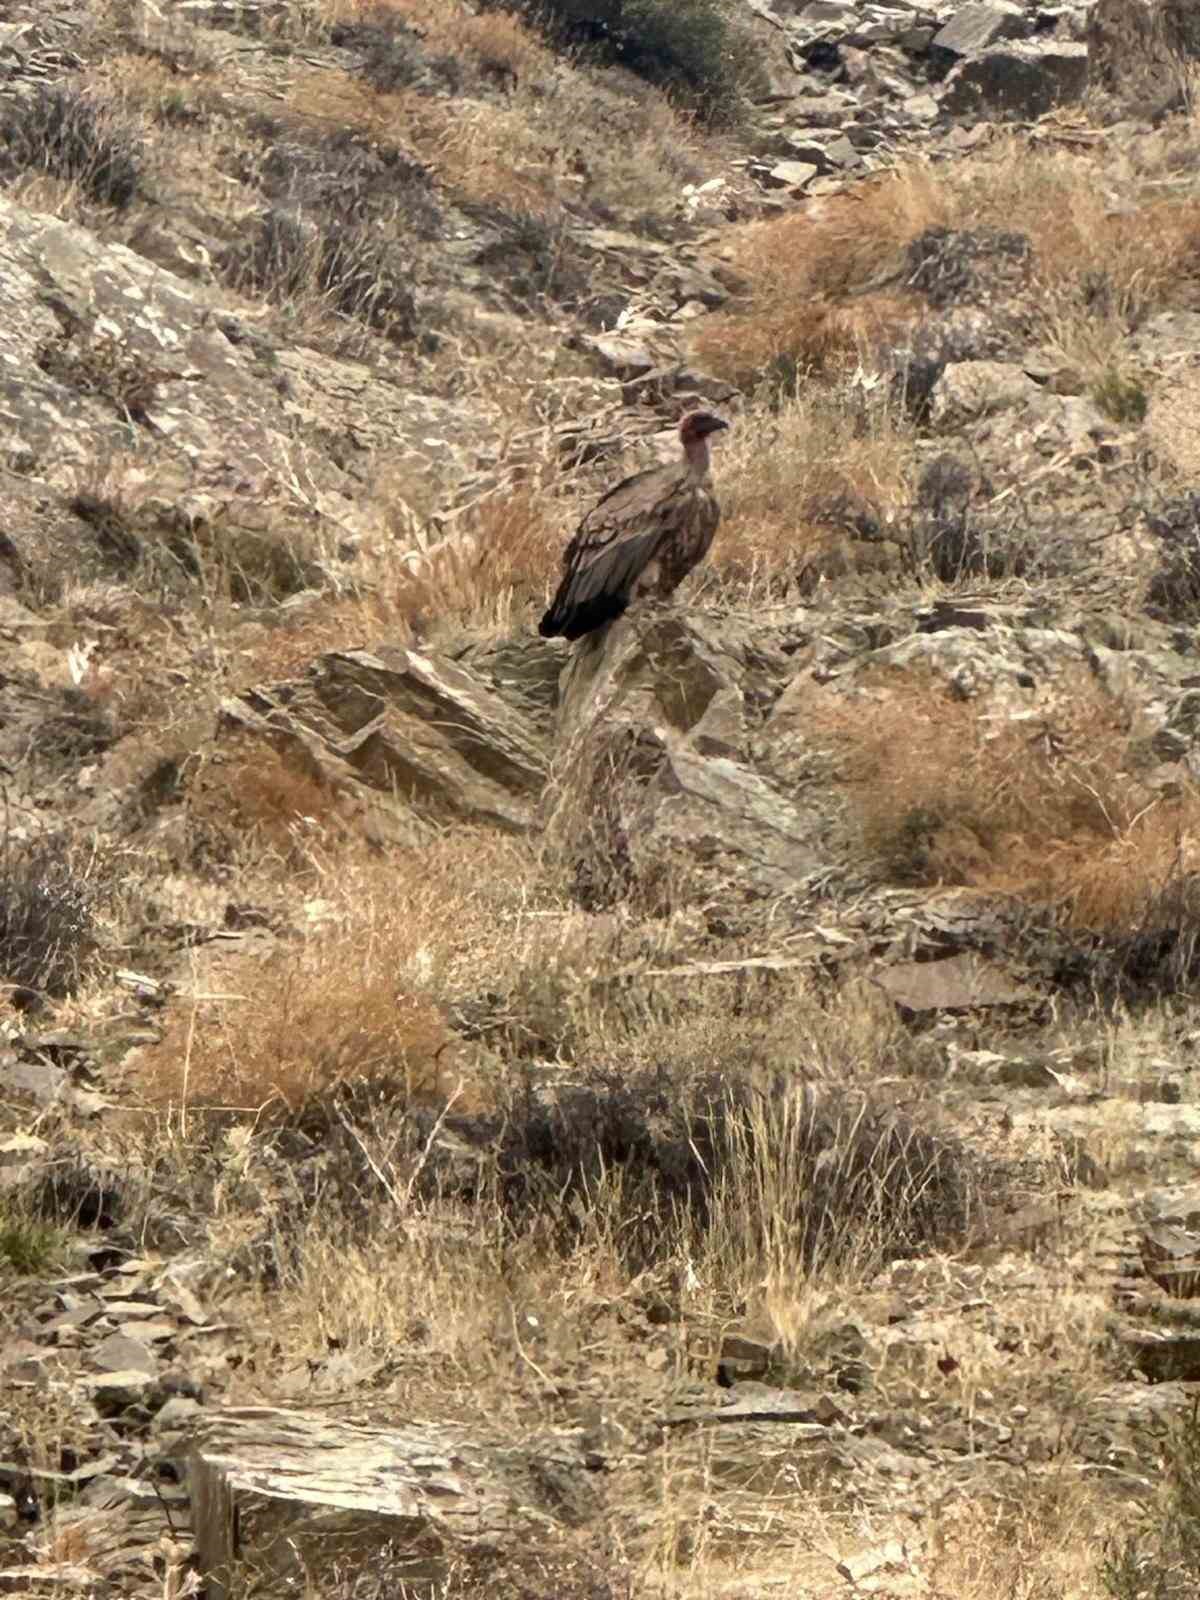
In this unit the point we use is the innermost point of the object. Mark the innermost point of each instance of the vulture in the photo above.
(644, 535)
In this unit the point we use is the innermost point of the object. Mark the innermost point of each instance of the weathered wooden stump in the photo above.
(283, 1496)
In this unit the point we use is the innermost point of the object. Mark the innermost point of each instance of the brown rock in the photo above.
(958, 983)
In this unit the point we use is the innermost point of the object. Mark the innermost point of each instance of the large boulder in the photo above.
(425, 736)
(654, 790)
(1019, 81)
(1138, 50)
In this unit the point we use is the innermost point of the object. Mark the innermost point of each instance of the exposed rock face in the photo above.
(426, 736)
(653, 727)
(1139, 49)
(974, 27)
(1020, 81)
(294, 1494)
(107, 357)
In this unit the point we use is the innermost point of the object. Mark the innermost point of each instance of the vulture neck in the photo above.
(695, 452)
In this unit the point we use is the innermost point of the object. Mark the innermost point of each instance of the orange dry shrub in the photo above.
(359, 999)
(249, 796)
(793, 317)
(825, 283)
(1047, 808)
(1122, 258)
(785, 337)
(493, 38)
(493, 569)
(484, 150)
(798, 488)
(310, 1021)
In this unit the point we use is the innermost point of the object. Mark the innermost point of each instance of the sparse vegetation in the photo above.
(48, 932)
(1122, 396)
(806, 1044)
(27, 1245)
(1049, 805)
(104, 367)
(1174, 588)
(65, 134)
(350, 269)
(812, 493)
(858, 272)
(789, 1179)
(1161, 1561)
(693, 48)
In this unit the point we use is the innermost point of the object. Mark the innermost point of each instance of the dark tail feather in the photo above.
(573, 621)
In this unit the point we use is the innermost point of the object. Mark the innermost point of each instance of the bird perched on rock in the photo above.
(644, 536)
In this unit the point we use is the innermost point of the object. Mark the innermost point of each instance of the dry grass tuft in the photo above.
(765, 1180)
(49, 894)
(796, 484)
(73, 137)
(1021, 1546)
(787, 337)
(799, 269)
(251, 796)
(551, 139)
(483, 151)
(309, 1023)
(1046, 806)
(828, 281)
(360, 1001)
(492, 571)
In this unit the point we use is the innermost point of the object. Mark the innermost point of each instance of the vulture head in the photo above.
(693, 436)
(699, 424)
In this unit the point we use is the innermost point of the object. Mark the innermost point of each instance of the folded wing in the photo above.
(613, 546)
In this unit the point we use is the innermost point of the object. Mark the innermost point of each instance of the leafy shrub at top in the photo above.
(690, 48)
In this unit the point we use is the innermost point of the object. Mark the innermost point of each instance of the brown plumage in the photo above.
(645, 535)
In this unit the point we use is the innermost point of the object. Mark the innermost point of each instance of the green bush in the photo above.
(28, 1246)
(1121, 396)
(690, 48)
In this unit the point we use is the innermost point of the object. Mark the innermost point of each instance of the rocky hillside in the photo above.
(709, 1112)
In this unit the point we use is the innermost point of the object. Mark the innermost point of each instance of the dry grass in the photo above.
(484, 152)
(800, 482)
(789, 337)
(306, 1025)
(492, 39)
(718, 1195)
(827, 281)
(285, 646)
(1047, 805)
(358, 1002)
(1024, 1546)
(157, 542)
(74, 137)
(798, 271)
(249, 795)
(549, 141)
(493, 571)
